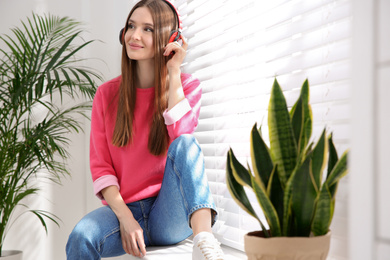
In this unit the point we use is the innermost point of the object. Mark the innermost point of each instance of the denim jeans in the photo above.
(165, 219)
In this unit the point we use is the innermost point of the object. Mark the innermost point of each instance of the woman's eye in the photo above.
(130, 26)
(149, 29)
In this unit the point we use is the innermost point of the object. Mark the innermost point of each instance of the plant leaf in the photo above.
(261, 158)
(303, 198)
(333, 156)
(268, 209)
(41, 213)
(323, 212)
(338, 171)
(308, 116)
(319, 158)
(276, 193)
(240, 173)
(237, 190)
(283, 145)
(297, 122)
(32, 147)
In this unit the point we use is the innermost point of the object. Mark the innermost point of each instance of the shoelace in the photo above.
(211, 249)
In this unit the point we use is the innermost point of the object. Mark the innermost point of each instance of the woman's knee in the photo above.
(186, 143)
(92, 228)
(83, 233)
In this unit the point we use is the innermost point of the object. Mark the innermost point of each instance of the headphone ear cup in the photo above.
(175, 36)
(121, 36)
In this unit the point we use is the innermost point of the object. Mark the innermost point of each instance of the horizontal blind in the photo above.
(236, 48)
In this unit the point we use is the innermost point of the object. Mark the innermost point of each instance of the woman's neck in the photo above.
(145, 73)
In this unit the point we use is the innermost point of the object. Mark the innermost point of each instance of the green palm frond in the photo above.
(40, 67)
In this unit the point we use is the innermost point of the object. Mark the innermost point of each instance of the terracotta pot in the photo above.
(11, 255)
(286, 248)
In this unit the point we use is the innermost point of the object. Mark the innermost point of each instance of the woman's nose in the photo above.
(136, 35)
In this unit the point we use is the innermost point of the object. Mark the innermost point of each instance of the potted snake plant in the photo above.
(294, 179)
(39, 70)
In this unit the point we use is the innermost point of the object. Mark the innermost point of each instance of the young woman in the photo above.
(146, 166)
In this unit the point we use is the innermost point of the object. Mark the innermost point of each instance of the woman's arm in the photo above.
(182, 114)
(131, 232)
(176, 93)
(101, 165)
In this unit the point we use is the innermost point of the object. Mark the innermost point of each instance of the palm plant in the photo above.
(295, 181)
(39, 66)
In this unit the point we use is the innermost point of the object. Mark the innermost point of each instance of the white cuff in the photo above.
(104, 182)
(177, 112)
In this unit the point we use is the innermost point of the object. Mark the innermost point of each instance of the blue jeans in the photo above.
(165, 219)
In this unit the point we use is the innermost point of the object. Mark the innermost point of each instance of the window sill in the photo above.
(181, 251)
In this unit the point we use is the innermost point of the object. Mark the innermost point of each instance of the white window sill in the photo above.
(181, 251)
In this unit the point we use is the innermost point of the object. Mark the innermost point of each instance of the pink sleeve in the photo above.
(183, 118)
(103, 174)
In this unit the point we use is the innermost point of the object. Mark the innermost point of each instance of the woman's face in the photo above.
(139, 35)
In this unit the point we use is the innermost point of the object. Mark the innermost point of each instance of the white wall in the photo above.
(72, 200)
(369, 194)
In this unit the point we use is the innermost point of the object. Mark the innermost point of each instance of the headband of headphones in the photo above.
(175, 34)
(174, 10)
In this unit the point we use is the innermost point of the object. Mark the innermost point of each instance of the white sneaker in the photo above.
(207, 247)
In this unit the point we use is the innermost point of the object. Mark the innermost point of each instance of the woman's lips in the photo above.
(135, 46)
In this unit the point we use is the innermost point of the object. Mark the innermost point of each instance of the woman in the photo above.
(153, 195)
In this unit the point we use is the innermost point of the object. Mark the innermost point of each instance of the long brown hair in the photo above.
(164, 21)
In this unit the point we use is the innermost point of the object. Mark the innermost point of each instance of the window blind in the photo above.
(236, 49)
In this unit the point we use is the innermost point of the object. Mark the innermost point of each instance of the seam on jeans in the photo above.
(101, 242)
(177, 173)
(145, 217)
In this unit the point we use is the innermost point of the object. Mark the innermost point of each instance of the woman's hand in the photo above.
(132, 237)
(178, 56)
(131, 232)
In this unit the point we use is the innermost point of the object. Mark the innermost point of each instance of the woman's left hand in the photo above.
(177, 58)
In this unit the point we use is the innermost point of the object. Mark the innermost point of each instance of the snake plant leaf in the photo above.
(297, 122)
(305, 95)
(308, 116)
(319, 158)
(240, 173)
(339, 171)
(303, 197)
(283, 145)
(333, 156)
(261, 158)
(237, 190)
(287, 202)
(323, 212)
(268, 209)
(275, 192)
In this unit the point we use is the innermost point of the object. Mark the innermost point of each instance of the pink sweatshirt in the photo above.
(133, 169)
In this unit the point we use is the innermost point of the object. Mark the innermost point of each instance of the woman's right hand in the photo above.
(131, 232)
(132, 237)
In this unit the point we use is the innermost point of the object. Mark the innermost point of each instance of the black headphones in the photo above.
(175, 34)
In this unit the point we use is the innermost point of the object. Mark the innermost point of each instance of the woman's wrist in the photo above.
(115, 201)
(174, 72)
(124, 213)
(176, 93)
